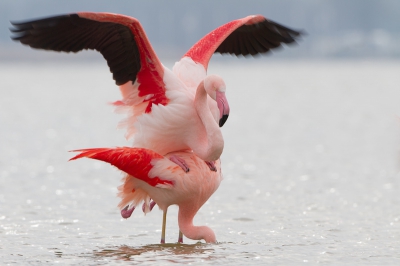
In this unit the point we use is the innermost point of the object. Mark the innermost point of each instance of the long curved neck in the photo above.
(185, 222)
(215, 142)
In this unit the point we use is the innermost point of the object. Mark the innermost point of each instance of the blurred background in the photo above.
(311, 161)
(336, 28)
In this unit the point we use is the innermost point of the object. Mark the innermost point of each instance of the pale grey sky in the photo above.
(336, 28)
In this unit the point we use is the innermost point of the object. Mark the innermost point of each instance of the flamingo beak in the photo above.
(223, 107)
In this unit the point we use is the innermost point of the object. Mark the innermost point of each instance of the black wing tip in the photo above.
(279, 25)
(20, 29)
(240, 55)
(16, 38)
(302, 33)
(259, 39)
(21, 23)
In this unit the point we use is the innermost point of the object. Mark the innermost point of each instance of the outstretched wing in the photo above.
(133, 161)
(251, 35)
(120, 39)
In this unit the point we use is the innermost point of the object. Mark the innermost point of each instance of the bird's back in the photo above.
(194, 187)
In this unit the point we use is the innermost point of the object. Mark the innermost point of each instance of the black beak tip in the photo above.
(223, 120)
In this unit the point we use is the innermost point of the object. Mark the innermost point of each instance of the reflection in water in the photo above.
(169, 252)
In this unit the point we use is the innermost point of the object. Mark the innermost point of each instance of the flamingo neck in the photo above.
(214, 146)
(185, 222)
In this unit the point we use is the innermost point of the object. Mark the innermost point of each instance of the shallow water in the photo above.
(311, 168)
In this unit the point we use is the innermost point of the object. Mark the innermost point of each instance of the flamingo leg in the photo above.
(180, 238)
(211, 165)
(179, 161)
(164, 222)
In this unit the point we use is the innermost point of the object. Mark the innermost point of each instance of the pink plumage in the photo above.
(152, 176)
(159, 103)
(135, 162)
(202, 51)
(177, 113)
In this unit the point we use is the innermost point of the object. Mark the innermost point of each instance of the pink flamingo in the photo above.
(152, 176)
(162, 113)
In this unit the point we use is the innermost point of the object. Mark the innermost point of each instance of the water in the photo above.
(311, 168)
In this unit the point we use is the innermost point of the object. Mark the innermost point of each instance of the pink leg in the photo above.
(151, 206)
(179, 161)
(164, 222)
(212, 166)
(125, 213)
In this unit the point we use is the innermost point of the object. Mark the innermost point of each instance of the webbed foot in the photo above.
(126, 213)
(151, 206)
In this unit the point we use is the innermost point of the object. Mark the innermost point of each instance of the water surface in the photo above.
(311, 168)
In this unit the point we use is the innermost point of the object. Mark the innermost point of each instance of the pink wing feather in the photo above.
(150, 76)
(133, 161)
(120, 39)
(250, 35)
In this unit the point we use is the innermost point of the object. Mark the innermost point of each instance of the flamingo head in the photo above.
(215, 87)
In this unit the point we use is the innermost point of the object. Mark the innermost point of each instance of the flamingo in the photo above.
(160, 104)
(152, 176)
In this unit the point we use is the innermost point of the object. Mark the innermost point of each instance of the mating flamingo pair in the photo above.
(174, 116)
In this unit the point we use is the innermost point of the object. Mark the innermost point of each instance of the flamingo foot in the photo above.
(126, 213)
(151, 206)
(212, 166)
(179, 161)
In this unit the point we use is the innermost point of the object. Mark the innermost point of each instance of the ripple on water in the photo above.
(311, 176)
(169, 252)
(243, 219)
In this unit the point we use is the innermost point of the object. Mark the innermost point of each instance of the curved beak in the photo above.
(223, 107)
